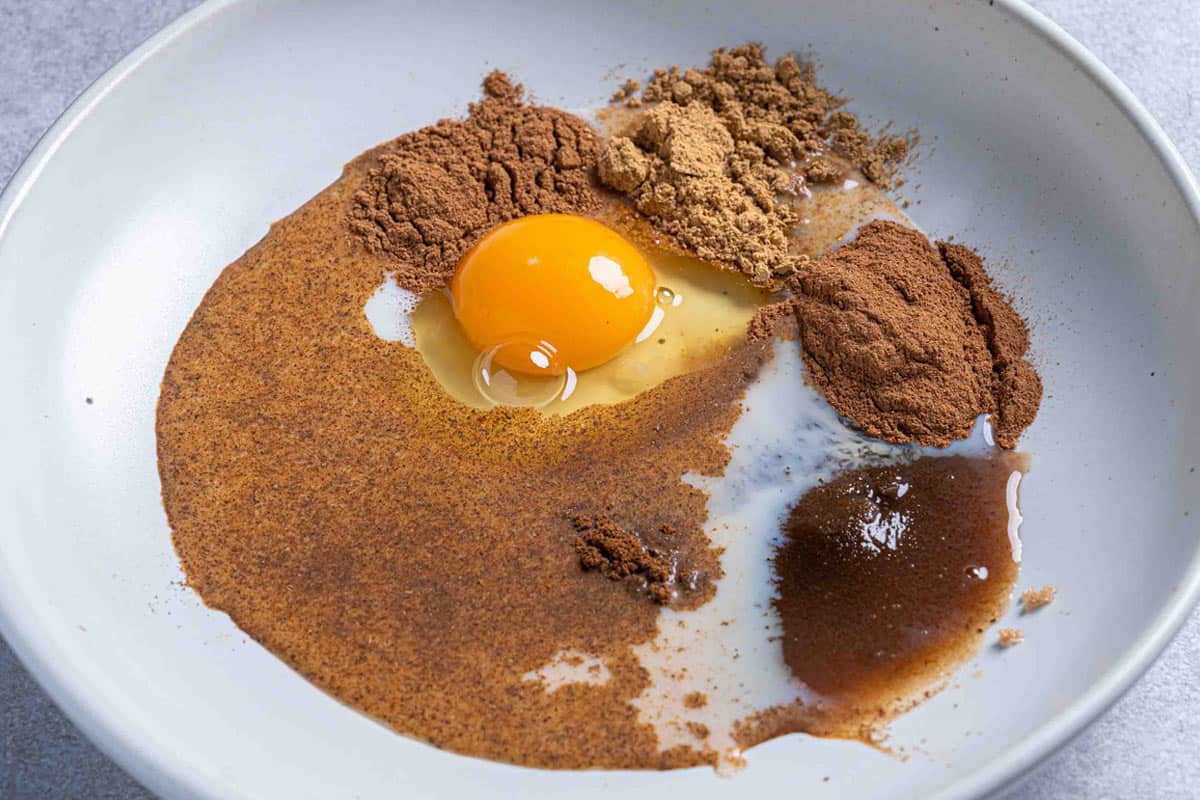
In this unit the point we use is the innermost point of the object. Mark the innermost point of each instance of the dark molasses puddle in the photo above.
(888, 575)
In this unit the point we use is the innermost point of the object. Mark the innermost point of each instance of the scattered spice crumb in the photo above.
(626, 92)
(695, 700)
(1033, 599)
(1010, 636)
(698, 729)
(765, 322)
(617, 553)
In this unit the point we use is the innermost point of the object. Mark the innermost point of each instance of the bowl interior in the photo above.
(252, 107)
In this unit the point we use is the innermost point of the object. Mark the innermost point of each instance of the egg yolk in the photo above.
(549, 292)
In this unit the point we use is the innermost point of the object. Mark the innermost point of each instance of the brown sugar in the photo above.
(429, 195)
(1033, 599)
(911, 342)
(1007, 637)
(617, 553)
(720, 157)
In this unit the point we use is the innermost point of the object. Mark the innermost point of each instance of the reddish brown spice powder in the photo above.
(431, 194)
(913, 342)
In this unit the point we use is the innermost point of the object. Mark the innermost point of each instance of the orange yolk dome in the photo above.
(552, 291)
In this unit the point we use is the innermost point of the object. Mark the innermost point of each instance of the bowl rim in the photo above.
(115, 734)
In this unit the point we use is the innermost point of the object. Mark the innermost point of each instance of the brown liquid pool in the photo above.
(888, 575)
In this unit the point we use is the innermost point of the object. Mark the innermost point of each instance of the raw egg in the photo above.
(549, 293)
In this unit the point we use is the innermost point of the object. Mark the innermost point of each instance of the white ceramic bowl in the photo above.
(177, 160)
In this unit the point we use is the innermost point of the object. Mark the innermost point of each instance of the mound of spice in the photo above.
(913, 342)
(436, 191)
(617, 553)
(719, 157)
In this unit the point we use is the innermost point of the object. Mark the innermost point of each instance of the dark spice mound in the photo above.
(1015, 383)
(912, 342)
(618, 553)
(436, 191)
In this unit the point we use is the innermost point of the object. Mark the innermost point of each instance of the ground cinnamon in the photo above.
(433, 193)
(1016, 386)
(912, 342)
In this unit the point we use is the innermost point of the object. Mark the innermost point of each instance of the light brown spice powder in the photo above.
(724, 152)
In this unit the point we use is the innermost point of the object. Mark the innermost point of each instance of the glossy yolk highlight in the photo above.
(552, 291)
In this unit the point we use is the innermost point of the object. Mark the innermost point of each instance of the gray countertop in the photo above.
(1147, 746)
